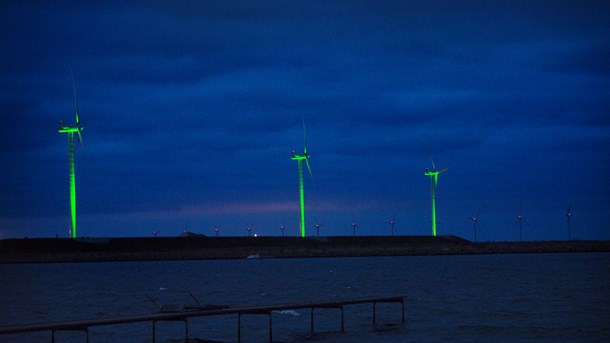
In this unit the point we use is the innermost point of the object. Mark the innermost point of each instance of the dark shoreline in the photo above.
(54, 250)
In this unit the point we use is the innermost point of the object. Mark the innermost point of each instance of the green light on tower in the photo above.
(70, 130)
(433, 174)
(300, 159)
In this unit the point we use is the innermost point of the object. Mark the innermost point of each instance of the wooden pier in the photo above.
(84, 325)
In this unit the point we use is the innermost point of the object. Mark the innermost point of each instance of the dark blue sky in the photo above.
(191, 110)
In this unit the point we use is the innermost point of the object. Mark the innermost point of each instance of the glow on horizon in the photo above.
(222, 208)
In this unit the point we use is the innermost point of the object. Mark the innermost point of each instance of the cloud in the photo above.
(193, 108)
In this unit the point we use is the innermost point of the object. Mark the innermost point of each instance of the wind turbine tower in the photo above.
(475, 222)
(568, 217)
(521, 220)
(70, 130)
(318, 226)
(300, 158)
(392, 224)
(354, 227)
(433, 174)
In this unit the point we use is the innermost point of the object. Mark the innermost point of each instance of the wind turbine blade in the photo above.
(429, 155)
(304, 138)
(569, 208)
(308, 166)
(80, 137)
(444, 170)
(478, 211)
(75, 97)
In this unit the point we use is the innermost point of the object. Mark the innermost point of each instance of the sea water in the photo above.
(474, 298)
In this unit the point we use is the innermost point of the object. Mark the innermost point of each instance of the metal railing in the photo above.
(84, 325)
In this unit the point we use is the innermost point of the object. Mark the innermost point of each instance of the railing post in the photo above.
(238, 327)
(374, 313)
(311, 328)
(186, 330)
(84, 325)
(270, 329)
(342, 325)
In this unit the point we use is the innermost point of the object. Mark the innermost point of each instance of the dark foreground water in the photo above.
(488, 298)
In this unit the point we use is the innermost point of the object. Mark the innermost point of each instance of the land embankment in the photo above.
(48, 250)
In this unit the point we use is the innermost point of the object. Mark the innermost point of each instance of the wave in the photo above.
(288, 312)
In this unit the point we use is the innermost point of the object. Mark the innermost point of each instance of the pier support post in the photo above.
(269, 313)
(402, 307)
(186, 328)
(270, 329)
(340, 307)
(238, 327)
(374, 313)
(311, 322)
(342, 325)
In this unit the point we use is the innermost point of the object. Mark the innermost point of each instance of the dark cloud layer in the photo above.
(191, 111)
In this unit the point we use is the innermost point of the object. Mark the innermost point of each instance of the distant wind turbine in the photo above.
(568, 217)
(70, 130)
(283, 228)
(354, 224)
(475, 222)
(249, 228)
(521, 220)
(300, 159)
(433, 174)
(155, 232)
(318, 226)
(216, 230)
(392, 223)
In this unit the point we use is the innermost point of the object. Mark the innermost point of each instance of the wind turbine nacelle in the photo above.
(64, 128)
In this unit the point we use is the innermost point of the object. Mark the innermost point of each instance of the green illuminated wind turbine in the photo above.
(70, 130)
(300, 159)
(433, 174)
